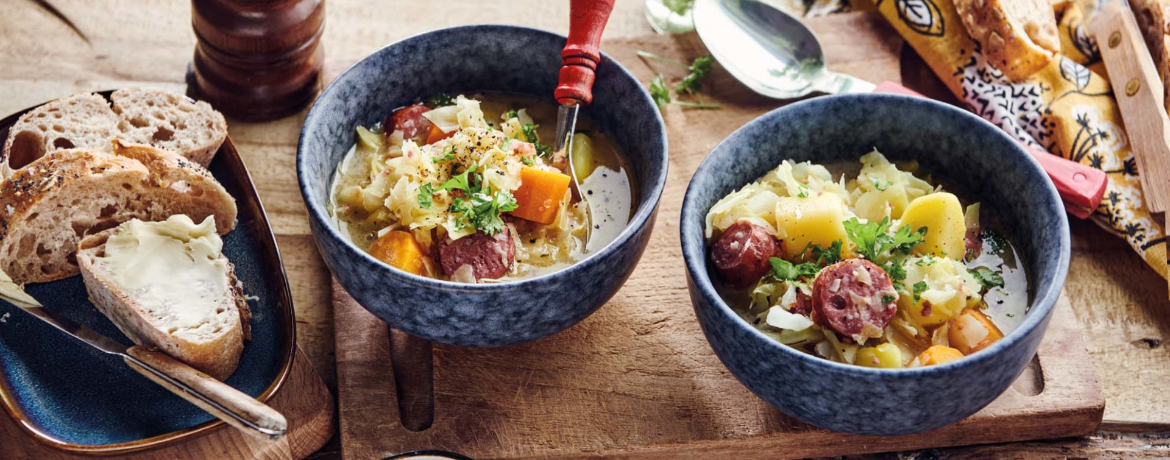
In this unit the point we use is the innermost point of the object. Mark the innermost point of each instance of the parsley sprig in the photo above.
(784, 270)
(874, 242)
(440, 100)
(477, 205)
(690, 84)
(987, 277)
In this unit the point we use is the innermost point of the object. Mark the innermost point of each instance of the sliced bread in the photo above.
(167, 285)
(1018, 37)
(82, 121)
(47, 207)
(1151, 18)
(170, 121)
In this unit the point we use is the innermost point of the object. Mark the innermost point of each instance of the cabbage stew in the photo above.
(875, 266)
(466, 189)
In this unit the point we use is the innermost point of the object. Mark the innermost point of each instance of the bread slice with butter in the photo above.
(1018, 37)
(168, 285)
(49, 206)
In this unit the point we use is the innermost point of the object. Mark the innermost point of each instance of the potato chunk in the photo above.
(942, 215)
(813, 220)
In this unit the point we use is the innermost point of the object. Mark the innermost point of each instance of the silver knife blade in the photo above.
(14, 294)
(566, 124)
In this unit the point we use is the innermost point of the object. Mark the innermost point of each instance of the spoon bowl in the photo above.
(769, 51)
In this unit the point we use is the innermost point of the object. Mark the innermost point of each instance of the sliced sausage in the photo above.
(803, 304)
(973, 245)
(741, 253)
(410, 121)
(489, 256)
(855, 298)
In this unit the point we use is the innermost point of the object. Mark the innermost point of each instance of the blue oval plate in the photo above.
(77, 399)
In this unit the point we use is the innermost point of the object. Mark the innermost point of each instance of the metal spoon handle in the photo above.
(839, 83)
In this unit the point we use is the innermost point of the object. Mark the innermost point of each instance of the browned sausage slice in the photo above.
(855, 298)
(489, 256)
(410, 121)
(741, 253)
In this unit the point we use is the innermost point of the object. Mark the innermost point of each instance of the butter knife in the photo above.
(217, 398)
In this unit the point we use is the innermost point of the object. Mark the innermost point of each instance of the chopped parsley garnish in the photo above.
(994, 240)
(888, 298)
(690, 84)
(873, 239)
(784, 270)
(821, 255)
(926, 261)
(481, 208)
(527, 161)
(425, 193)
(448, 155)
(880, 186)
(440, 100)
(919, 288)
(511, 114)
(987, 277)
(529, 131)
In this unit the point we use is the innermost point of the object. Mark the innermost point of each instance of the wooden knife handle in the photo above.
(217, 398)
(582, 51)
(1139, 94)
(1080, 186)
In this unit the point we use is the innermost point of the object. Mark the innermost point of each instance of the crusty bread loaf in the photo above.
(86, 121)
(170, 121)
(1151, 18)
(213, 346)
(49, 206)
(82, 121)
(1018, 37)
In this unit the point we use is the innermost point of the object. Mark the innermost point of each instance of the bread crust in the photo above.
(49, 206)
(1018, 37)
(217, 357)
(82, 121)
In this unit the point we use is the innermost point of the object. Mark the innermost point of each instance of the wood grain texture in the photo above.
(637, 379)
(1119, 304)
(303, 400)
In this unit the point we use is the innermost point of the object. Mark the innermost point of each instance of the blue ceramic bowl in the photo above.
(466, 60)
(946, 141)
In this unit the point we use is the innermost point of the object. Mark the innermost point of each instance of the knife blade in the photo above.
(215, 397)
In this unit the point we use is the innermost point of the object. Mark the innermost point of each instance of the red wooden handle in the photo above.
(1080, 186)
(582, 52)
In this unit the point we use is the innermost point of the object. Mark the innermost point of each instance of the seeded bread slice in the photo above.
(213, 347)
(170, 121)
(1018, 37)
(47, 207)
(1152, 20)
(82, 121)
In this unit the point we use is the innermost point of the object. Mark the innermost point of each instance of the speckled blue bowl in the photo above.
(465, 60)
(945, 140)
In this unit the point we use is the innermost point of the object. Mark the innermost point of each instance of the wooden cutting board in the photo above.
(303, 399)
(637, 379)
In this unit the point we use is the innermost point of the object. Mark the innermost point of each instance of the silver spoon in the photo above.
(769, 51)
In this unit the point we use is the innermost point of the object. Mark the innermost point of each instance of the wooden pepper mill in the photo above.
(257, 59)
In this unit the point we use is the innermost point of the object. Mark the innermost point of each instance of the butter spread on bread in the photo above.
(50, 205)
(1018, 37)
(167, 284)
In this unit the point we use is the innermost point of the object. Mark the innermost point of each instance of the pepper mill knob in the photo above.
(257, 59)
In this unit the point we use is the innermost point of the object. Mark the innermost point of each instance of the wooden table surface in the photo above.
(1119, 303)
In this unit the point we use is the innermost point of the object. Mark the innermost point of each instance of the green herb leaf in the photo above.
(464, 181)
(511, 114)
(679, 7)
(873, 239)
(440, 100)
(425, 193)
(919, 288)
(784, 270)
(888, 298)
(659, 92)
(527, 161)
(699, 69)
(994, 240)
(529, 131)
(821, 255)
(448, 155)
(987, 277)
(904, 239)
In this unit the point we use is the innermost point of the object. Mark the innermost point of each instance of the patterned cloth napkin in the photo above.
(1067, 108)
